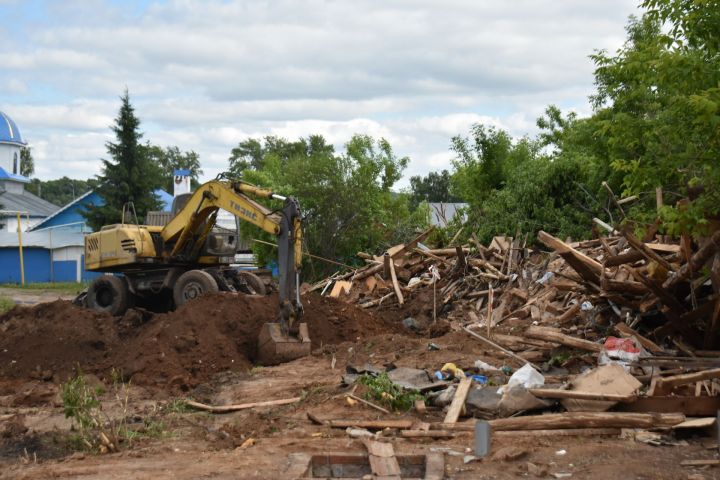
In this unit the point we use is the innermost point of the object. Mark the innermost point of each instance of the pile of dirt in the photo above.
(178, 349)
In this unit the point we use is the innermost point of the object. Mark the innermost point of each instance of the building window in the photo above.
(15, 163)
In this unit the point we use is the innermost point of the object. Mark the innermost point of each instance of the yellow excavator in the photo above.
(188, 257)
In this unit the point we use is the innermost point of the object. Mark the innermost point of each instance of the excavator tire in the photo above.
(191, 285)
(109, 294)
(254, 283)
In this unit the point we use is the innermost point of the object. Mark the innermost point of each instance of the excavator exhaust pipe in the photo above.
(275, 347)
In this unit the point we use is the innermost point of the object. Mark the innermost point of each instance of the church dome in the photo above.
(9, 132)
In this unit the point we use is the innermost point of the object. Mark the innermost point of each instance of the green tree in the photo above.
(129, 175)
(657, 109)
(346, 199)
(434, 187)
(27, 164)
(172, 158)
(60, 191)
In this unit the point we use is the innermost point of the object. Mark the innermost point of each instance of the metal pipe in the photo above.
(20, 250)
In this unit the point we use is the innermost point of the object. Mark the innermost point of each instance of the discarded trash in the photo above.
(432, 346)
(480, 365)
(482, 438)
(545, 278)
(481, 379)
(452, 370)
(525, 376)
(560, 453)
(621, 351)
(586, 306)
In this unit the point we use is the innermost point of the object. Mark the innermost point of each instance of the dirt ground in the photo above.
(205, 351)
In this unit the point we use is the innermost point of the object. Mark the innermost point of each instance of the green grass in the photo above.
(6, 304)
(60, 287)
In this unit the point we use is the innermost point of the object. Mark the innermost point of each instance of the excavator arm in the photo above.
(190, 225)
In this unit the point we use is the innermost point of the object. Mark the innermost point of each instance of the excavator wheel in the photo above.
(109, 294)
(191, 285)
(254, 283)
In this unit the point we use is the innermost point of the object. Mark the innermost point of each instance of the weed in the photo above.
(6, 304)
(177, 405)
(256, 370)
(383, 390)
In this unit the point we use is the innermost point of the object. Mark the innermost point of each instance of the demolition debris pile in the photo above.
(639, 317)
(181, 348)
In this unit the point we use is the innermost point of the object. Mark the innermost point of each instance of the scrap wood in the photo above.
(700, 462)
(563, 432)
(588, 268)
(396, 286)
(690, 406)
(553, 335)
(574, 394)
(588, 419)
(427, 434)
(668, 383)
(369, 404)
(369, 424)
(458, 401)
(697, 261)
(646, 252)
(624, 330)
(242, 406)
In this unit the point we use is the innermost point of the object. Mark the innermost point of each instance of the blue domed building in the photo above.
(13, 196)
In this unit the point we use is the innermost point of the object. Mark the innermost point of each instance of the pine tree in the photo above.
(129, 176)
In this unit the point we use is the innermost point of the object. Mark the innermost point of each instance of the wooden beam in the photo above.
(396, 285)
(588, 420)
(498, 347)
(588, 268)
(605, 397)
(690, 406)
(646, 252)
(458, 401)
(666, 383)
(369, 424)
(697, 261)
(626, 331)
(553, 335)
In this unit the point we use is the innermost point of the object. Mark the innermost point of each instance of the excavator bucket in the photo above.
(275, 347)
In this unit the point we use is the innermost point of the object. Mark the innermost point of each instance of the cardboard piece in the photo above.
(606, 379)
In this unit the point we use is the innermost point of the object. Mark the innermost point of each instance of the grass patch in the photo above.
(6, 304)
(381, 389)
(60, 287)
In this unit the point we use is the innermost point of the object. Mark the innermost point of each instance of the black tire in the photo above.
(109, 294)
(191, 285)
(256, 285)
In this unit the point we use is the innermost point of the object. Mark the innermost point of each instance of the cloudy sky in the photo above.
(204, 75)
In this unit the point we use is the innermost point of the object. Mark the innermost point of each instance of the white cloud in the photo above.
(204, 75)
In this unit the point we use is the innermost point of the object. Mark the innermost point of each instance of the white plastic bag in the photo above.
(526, 376)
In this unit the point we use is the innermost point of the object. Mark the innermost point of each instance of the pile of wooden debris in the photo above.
(529, 304)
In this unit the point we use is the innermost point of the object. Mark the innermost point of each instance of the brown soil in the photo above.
(178, 350)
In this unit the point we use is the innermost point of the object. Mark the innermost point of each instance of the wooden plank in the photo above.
(626, 331)
(369, 424)
(588, 420)
(629, 257)
(458, 401)
(646, 252)
(690, 406)
(407, 247)
(498, 347)
(427, 434)
(396, 285)
(697, 261)
(574, 394)
(553, 335)
(566, 432)
(341, 287)
(667, 383)
(700, 463)
(588, 268)
(383, 463)
(242, 406)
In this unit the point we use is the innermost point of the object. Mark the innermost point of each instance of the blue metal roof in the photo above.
(9, 132)
(181, 172)
(12, 176)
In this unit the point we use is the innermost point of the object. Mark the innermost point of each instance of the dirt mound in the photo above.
(178, 349)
